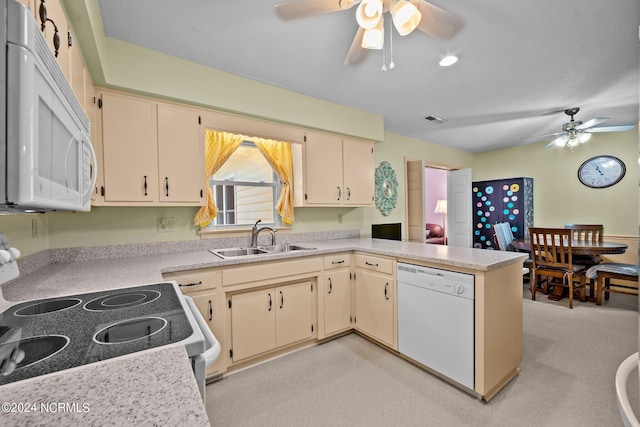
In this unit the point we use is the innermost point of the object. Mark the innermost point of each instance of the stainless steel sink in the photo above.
(286, 248)
(257, 251)
(237, 252)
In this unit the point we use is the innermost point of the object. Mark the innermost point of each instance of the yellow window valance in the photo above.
(218, 148)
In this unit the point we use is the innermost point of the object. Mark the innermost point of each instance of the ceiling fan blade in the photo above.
(437, 22)
(592, 122)
(356, 52)
(620, 128)
(295, 9)
(539, 137)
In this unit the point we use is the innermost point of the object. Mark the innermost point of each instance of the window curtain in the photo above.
(218, 148)
(278, 154)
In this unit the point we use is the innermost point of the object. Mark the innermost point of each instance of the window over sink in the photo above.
(245, 189)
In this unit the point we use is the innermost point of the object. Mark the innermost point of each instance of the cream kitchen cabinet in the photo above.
(266, 319)
(336, 295)
(69, 56)
(204, 287)
(335, 171)
(153, 152)
(56, 20)
(130, 148)
(180, 155)
(375, 298)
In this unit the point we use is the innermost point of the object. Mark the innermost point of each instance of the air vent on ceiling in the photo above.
(435, 119)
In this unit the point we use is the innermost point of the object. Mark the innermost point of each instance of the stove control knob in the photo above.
(5, 256)
(15, 253)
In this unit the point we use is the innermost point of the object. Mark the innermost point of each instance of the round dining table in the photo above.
(580, 247)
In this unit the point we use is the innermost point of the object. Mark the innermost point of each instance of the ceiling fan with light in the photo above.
(574, 132)
(407, 15)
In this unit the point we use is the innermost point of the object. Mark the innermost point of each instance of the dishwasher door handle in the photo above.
(431, 274)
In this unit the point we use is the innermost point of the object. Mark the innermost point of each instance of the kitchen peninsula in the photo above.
(498, 298)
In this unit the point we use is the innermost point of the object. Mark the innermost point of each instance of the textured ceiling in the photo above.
(521, 62)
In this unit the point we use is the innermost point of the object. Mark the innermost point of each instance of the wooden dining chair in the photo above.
(587, 233)
(552, 257)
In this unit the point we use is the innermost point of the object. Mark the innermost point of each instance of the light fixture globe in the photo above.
(406, 17)
(373, 38)
(573, 141)
(369, 13)
(584, 137)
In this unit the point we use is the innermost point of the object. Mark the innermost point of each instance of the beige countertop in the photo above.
(148, 386)
(151, 388)
(65, 278)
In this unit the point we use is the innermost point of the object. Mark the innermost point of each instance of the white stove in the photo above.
(50, 335)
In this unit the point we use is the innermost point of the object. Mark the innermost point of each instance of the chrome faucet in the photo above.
(255, 231)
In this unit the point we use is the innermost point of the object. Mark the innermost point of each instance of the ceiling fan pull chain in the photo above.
(391, 64)
(384, 59)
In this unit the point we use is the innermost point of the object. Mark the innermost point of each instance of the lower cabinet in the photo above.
(337, 301)
(375, 299)
(267, 319)
(335, 295)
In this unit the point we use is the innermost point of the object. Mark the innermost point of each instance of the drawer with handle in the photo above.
(375, 263)
(337, 261)
(195, 280)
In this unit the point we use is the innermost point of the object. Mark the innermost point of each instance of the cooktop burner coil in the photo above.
(122, 300)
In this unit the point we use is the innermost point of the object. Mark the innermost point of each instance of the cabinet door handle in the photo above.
(339, 193)
(43, 23)
(386, 286)
(330, 285)
(145, 185)
(281, 300)
(371, 264)
(270, 302)
(337, 262)
(348, 193)
(190, 284)
(210, 311)
(166, 185)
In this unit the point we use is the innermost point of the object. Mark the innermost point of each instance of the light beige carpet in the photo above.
(566, 379)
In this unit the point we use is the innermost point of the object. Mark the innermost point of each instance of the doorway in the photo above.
(441, 196)
(435, 204)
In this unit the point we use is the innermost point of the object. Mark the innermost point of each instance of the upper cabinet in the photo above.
(129, 147)
(57, 22)
(358, 172)
(152, 152)
(69, 57)
(334, 171)
(180, 155)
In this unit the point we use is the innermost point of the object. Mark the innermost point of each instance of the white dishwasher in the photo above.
(436, 320)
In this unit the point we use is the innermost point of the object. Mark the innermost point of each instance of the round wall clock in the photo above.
(386, 188)
(601, 171)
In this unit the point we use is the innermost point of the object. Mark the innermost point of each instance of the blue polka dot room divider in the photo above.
(501, 200)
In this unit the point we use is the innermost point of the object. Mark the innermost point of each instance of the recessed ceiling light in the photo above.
(448, 60)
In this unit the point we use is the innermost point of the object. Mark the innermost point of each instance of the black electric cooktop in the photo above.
(62, 333)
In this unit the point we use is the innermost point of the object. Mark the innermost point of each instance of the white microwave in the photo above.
(47, 162)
